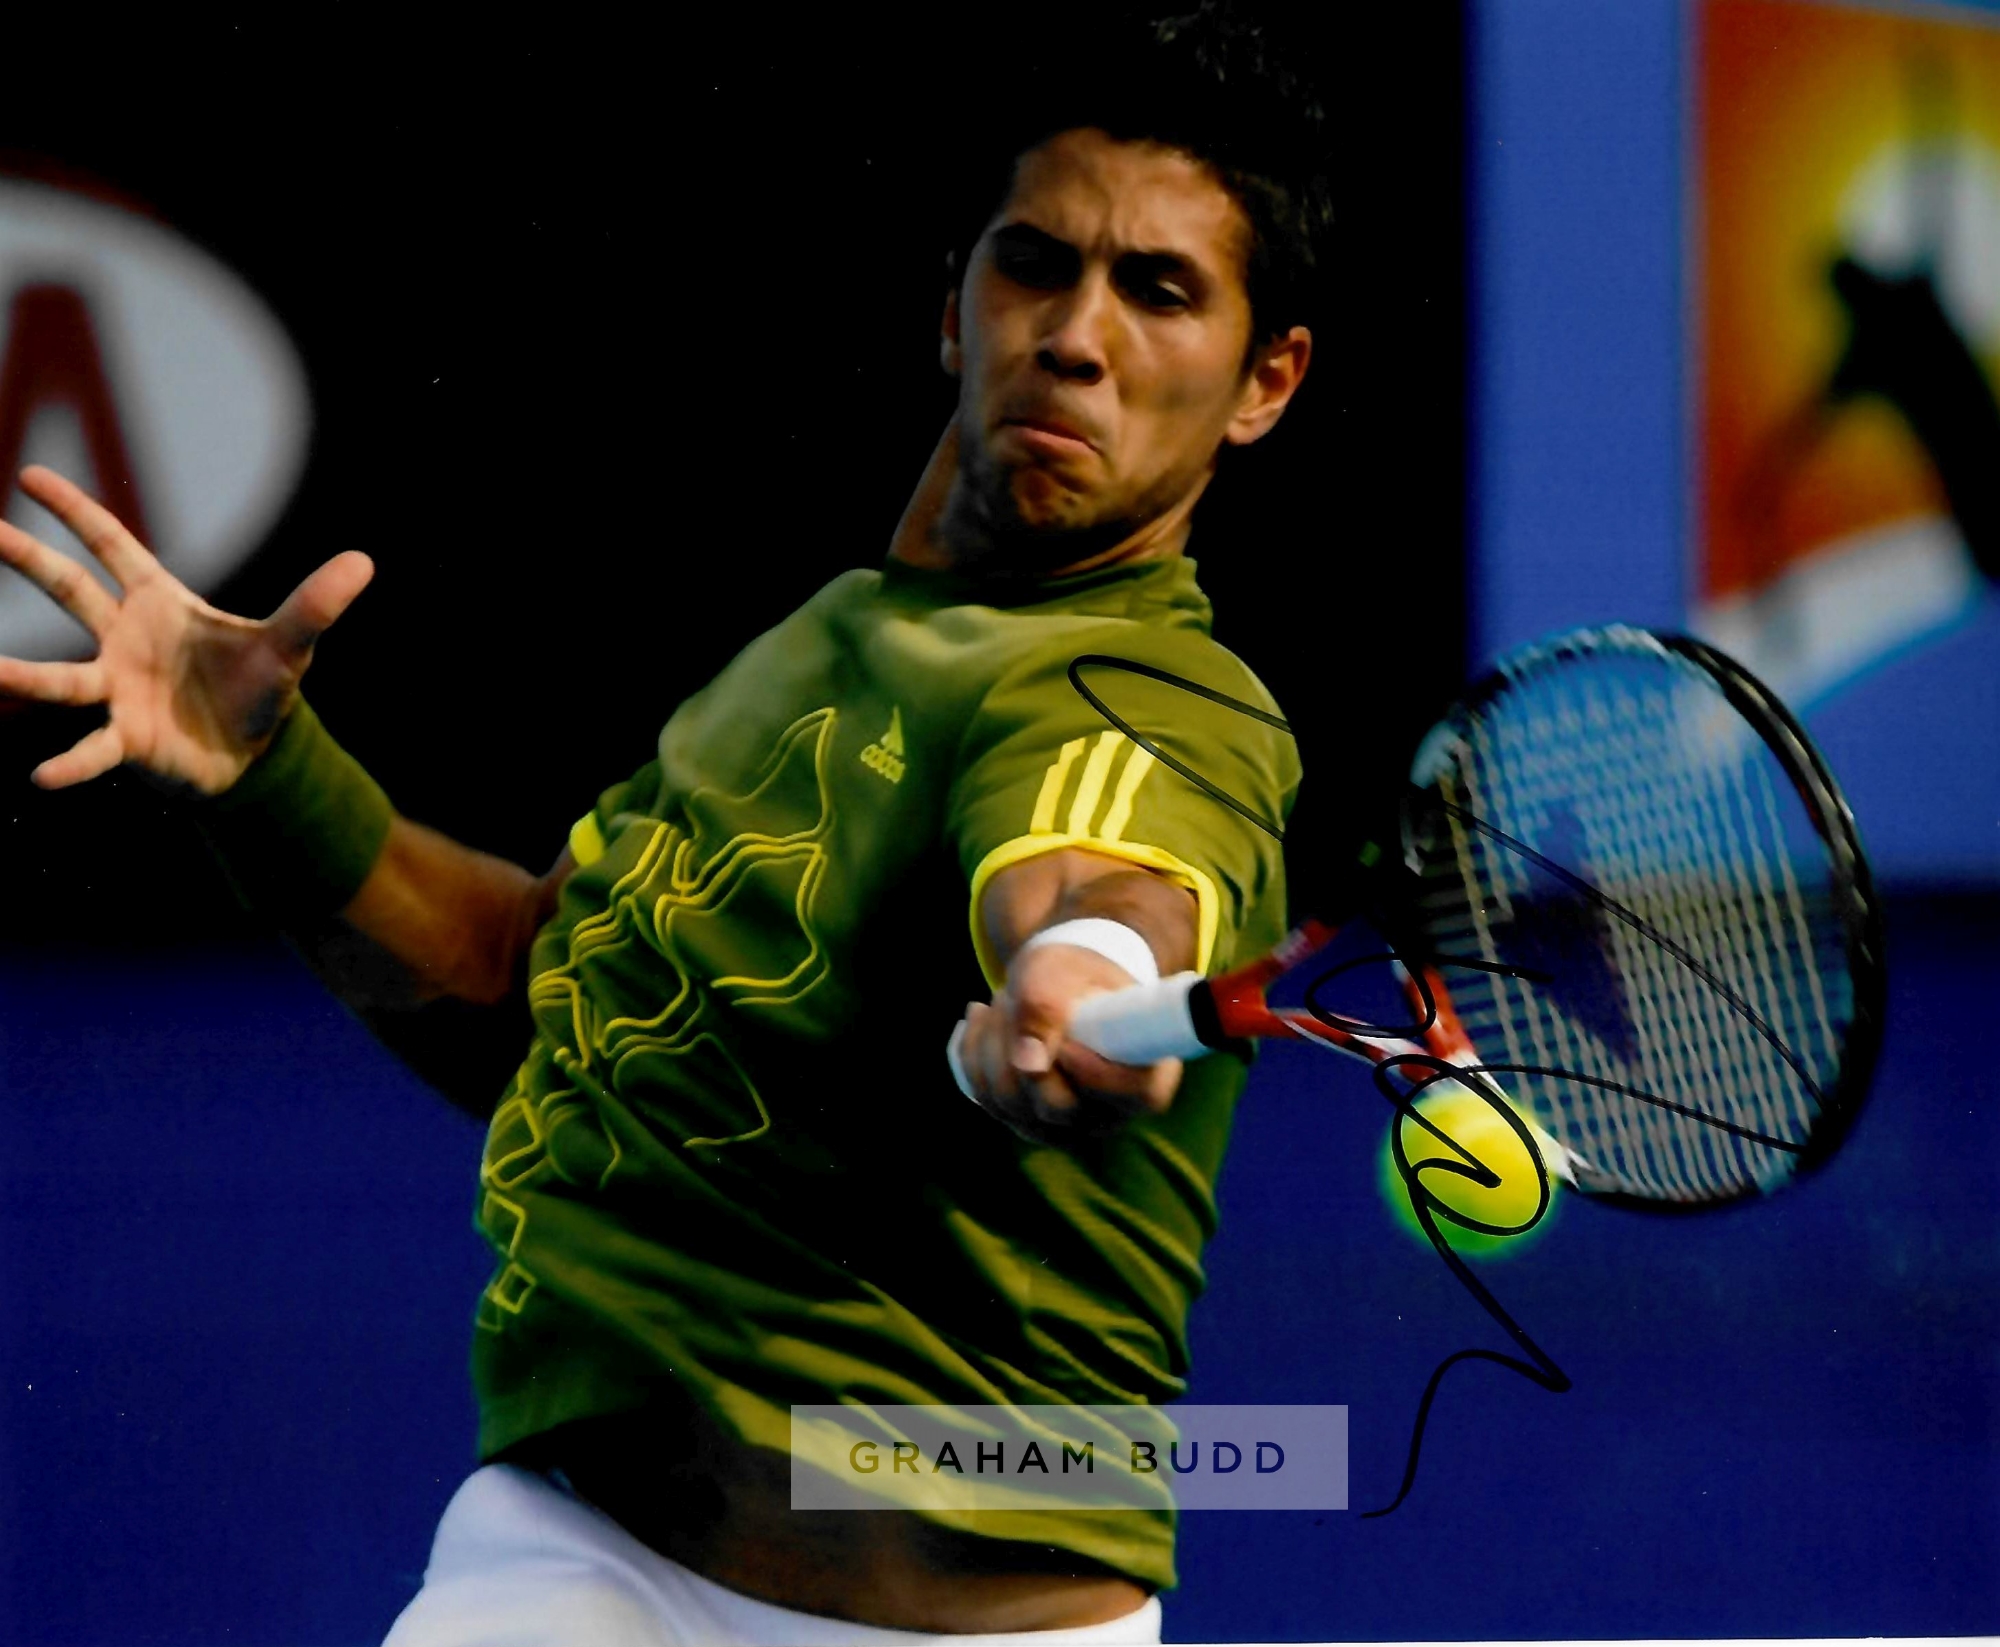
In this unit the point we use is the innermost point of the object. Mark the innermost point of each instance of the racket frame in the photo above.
(1232, 1007)
(1860, 909)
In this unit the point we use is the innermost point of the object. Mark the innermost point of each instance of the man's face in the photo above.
(1100, 339)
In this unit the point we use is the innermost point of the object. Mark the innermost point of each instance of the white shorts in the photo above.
(518, 1562)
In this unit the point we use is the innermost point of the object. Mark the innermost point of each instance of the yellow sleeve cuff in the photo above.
(586, 840)
(1023, 847)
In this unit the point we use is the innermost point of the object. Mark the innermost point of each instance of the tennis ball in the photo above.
(1475, 1128)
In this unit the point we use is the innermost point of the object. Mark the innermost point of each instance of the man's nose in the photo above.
(1075, 342)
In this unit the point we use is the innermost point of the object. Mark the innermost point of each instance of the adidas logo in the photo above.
(885, 755)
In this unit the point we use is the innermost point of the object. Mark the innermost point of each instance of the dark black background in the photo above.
(621, 342)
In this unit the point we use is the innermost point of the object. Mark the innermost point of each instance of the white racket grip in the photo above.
(1140, 1025)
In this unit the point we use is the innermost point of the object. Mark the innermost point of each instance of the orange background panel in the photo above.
(1794, 101)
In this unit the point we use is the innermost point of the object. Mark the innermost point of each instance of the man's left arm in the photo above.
(1015, 1053)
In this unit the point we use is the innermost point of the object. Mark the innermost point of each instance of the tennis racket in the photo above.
(1632, 898)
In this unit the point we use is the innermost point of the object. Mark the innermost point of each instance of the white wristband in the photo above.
(1114, 940)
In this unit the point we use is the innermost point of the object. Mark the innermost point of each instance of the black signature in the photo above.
(1403, 1078)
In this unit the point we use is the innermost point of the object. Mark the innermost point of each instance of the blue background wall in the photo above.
(1579, 485)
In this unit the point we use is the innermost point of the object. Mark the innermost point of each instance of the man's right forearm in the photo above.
(445, 921)
(429, 948)
(432, 955)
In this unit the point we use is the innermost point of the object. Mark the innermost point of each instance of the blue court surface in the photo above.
(237, 1271)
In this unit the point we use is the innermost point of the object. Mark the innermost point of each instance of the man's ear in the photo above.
(1275, 374)
(950, 356)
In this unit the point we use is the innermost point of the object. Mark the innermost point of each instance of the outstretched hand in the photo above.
(193, 694)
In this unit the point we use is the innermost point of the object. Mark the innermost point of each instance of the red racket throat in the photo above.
(1234, 1007)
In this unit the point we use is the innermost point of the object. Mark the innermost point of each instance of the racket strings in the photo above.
(1649, 788)
(1513, 777)
(1674, 880)
(1769, 948)
(1510, 777)
(1539, 1040)
(1727, 921)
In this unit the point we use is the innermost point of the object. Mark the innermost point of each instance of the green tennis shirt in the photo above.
(735, 1156)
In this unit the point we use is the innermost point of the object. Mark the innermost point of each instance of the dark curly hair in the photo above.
(1214, 82)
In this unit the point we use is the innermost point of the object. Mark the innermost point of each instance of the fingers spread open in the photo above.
(86, 759)
(52, 682)
(311, 608)
(101, 532)
(69, 584)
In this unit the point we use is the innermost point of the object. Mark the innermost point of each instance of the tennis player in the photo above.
(732, 1171)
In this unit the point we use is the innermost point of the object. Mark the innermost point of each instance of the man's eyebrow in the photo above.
(1145, 260)
(1148, 261)
(1019, 230)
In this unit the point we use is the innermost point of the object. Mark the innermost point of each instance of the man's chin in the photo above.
(1039, 500)
(1041, 511)
(1031, 523)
